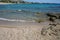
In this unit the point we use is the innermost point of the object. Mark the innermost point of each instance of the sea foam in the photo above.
(5, 19)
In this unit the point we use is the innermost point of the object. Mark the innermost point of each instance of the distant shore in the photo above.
(5, 3)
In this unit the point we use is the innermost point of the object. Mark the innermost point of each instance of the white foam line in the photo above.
(16, 20)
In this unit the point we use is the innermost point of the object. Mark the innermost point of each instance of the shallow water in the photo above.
(25, 12)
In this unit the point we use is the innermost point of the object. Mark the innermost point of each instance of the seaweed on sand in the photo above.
(39, 20)
(52, 30)
(38, 16)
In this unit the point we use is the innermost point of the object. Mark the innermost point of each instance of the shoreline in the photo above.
(26, 31)
(5, 3)
(20, 33)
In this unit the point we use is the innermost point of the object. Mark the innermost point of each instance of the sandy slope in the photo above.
(22, 33)
(29, 33)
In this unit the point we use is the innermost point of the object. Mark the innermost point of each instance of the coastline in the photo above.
(21, 33)
(26, 31)
(22, 30)
(4, 3)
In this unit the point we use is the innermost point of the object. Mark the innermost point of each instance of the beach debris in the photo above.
(51, 15)
(39, 20)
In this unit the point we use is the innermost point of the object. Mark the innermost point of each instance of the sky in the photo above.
(44, 1)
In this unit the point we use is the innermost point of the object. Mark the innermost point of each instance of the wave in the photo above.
(14, 20)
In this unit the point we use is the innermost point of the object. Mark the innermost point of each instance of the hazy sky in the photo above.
(44, 1)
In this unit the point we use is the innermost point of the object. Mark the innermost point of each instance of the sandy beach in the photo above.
(27, 31)
(11, 28)
(23, 32)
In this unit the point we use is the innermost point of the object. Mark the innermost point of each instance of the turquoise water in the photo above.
(32, 7)
(25, 12)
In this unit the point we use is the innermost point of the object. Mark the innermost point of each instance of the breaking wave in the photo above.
(4, 19)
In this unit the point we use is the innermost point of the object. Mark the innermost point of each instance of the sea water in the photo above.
(25, 12)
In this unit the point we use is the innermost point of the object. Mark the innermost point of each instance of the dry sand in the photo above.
(20, 33)
(31, 32)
